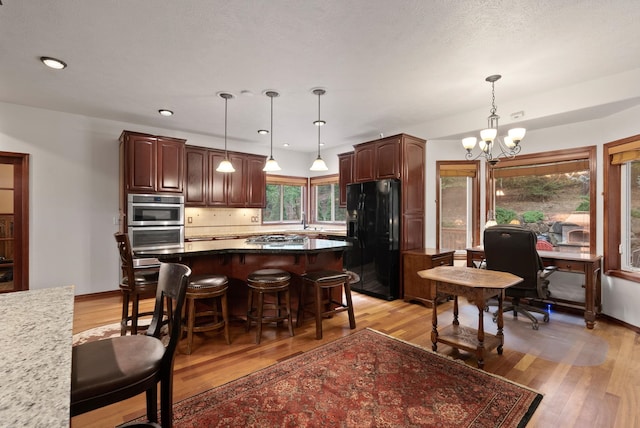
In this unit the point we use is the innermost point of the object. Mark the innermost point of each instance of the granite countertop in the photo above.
(311, 231)
(35, 351)
(240, 246)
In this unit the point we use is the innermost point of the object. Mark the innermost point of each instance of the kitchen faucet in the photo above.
(304, 221)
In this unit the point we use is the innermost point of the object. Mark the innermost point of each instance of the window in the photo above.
(325, 200)
(285, 199)
(622, 208)
(551, 193)
(458, 204)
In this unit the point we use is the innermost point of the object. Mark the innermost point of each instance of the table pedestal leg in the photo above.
(434, 328)
(500, 320)
(480, 348)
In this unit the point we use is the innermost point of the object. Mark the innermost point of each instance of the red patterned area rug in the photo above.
(364, 379)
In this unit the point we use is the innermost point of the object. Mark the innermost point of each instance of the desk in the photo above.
(478, 286)
(587, 264)
(35, 350)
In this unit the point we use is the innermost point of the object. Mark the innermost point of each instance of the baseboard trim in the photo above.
(94, 296)
(619, 322)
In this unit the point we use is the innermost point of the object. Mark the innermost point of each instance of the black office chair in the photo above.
(111, 370)
(513, 249)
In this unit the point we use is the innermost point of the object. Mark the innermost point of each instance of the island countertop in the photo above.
(35, 350)
(242, 246)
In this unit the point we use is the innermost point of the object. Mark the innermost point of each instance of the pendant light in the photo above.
(318, 164)
(271, 164)
(225, 165)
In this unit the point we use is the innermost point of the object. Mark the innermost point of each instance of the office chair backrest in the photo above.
(513, 249)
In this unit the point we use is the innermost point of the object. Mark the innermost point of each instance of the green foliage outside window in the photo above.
(284, 203)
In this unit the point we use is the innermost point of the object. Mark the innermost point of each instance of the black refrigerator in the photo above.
(373, 229)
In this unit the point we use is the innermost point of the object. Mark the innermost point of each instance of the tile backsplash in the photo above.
(220, 221)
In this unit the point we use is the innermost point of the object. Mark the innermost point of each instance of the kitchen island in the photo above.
(237, 258)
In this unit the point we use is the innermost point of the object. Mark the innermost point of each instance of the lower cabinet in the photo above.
(416, 288)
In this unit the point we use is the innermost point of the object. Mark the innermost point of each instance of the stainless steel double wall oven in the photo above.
(155, 221)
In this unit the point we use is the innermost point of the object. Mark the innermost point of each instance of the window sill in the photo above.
(629, 276)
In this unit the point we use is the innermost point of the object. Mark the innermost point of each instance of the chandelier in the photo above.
(508, 146)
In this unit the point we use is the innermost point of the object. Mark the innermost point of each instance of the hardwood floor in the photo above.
(581, 387)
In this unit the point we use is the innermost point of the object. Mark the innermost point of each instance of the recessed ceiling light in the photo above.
(285, 144)
(263, 131)
(165, 112)
(53, 63)
(322, 144)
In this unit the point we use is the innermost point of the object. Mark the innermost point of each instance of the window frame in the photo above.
(319, 181)
(284, 180)
(587, 153)
(612, 196)
(464, 170)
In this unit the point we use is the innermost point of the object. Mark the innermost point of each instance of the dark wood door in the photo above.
(217, 180)
(345, 170)
(237, 187)
(364, 161)
(14, 222)
(413, 161)
(387, 159)
(170, 168)
(141, 162)
(256, 182)
(197, 174)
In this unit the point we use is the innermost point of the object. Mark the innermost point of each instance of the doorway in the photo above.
(14, 222)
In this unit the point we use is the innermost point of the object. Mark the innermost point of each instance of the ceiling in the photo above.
(387, 65)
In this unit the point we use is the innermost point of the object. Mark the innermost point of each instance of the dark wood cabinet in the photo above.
(416, 288)
(387, 155)
(151, 164)
(345, 169)
(364, 162)
(246, 187)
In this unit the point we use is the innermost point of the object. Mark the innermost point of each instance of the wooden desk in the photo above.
(478, 286)
(587, 264)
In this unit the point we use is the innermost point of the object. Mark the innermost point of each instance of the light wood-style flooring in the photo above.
(576, 392)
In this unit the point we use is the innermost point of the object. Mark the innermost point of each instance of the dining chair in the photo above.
(135, 284)
(111, 370)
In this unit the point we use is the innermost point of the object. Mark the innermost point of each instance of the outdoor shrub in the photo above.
(504, 216)
(532, 216)
(635, 213)
(584, 205)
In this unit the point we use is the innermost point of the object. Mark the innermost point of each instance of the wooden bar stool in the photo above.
(268, 281)
(214, 317)
(325, 304)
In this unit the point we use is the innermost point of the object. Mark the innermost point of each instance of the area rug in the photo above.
(108, 331)
(366, 379)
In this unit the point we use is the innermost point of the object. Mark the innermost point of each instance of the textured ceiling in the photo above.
(387, 65)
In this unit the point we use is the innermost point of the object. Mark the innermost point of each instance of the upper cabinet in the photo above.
(151, 164)
(345, 169)
(246, 187)
(399, 157)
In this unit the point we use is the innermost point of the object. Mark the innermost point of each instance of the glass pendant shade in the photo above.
(488, 134)
(469, 143)
(517, 134)
(319, 165)
(225, 166)
(271, 165)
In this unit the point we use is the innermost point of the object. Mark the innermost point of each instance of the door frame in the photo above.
(20, 161)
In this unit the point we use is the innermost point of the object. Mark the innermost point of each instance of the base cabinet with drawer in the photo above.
(416, 288)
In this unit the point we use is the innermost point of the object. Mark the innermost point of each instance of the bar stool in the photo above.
(216, 317)
(323, 282)
(268, 281)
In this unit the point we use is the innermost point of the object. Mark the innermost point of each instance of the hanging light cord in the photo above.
(226, 155)
(271, 132)
(319, 123)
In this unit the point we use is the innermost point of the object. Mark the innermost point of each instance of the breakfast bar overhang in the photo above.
(237, 258)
